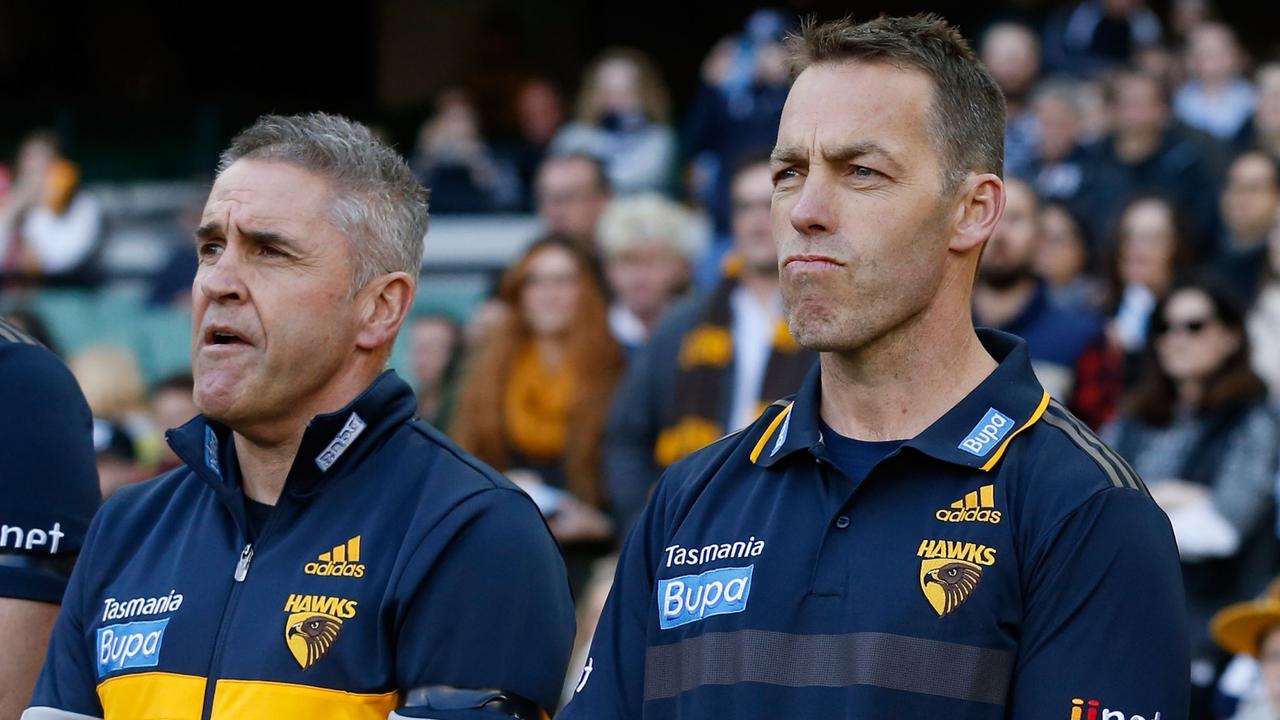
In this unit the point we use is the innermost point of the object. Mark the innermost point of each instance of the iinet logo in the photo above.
(1092, 710)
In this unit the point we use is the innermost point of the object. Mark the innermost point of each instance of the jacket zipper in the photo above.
(228, 610)
(211, 681)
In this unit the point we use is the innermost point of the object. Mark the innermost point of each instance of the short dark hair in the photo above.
(967, 113)
(596, 164)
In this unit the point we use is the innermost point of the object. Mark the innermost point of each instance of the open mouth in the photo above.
(223, 337)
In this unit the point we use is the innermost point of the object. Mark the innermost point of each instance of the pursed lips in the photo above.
(811, 262)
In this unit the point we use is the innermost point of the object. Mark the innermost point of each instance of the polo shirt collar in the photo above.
(974, 433)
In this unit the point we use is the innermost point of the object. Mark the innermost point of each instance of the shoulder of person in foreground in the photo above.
(50, 489)
(1103, 616)
(485, 596)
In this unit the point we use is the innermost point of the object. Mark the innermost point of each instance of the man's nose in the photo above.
(814, 213)
(222, 280)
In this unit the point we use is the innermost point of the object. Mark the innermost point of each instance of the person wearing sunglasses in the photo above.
(1198, 427)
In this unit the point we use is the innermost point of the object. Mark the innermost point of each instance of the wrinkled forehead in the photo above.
(269, 194)
(836, 104)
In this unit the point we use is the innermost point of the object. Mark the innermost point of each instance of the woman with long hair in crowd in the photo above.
(623, 119)
(534, 398)
(1149, 248)
(1198, 429)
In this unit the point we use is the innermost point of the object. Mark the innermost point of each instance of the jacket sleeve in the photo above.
(486, 604)
(630, 435)
(610, 685)
(67, 688)
(1105, 619)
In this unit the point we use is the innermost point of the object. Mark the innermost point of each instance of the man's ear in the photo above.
(981, 205)
(384, 304)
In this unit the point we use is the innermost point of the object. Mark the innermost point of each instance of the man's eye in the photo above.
(863, 172)
(271, 252)
(209, 250)
(783, 175)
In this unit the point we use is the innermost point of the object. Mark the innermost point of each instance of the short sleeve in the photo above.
(1105, 619)
(48, 476)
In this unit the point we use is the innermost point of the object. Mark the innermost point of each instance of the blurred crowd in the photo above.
(1138, 256)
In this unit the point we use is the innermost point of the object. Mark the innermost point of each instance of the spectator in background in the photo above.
(1263, 130)
(1094, 35)
(117, 457)
(1064, 260)
(622, 119)
(49, 228)
(713, 363)
(113, 386)
(453, 160)
(30, 323)
(572, 192)
(539, 114)
(1148, 251)
(1146, 153)
(172, 405)
(1216, 98)
(1264, 319)
(1011, 53)
(1248, 629)
(1061, 167)
(435, 347)
(1198, 429)
(1009, 296)
(648, 245)
(1250, 205)
(533, 402)
(743, 86)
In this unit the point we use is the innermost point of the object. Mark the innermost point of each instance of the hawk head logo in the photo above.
(948, 583)
(309, 636)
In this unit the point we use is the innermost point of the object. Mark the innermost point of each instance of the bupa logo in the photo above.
(987, 434)
(691, 598)
(1093, 710)
(131, 645)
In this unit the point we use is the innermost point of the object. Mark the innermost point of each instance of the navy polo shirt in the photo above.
(48, 476)
(1002, 564)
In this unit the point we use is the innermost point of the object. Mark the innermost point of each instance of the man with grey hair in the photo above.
(321, 552)
(920, 531)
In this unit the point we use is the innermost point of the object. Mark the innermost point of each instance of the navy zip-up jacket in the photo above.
(392, 563)
(1002, 564)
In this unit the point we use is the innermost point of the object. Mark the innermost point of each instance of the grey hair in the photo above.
(378, 203)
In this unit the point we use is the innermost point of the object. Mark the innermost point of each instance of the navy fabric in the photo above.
(855, 458)
(48, 477)
(1001, 564)
(459, 583)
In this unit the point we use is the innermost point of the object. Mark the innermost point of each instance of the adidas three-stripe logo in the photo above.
(976, 506)
(342, 561)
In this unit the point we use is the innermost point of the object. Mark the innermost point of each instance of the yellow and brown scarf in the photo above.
(706, 354)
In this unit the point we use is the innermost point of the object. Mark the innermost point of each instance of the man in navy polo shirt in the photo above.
(48, 493)
(921, 532)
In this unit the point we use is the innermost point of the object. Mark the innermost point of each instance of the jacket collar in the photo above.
(974, 433)
(332, 444)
